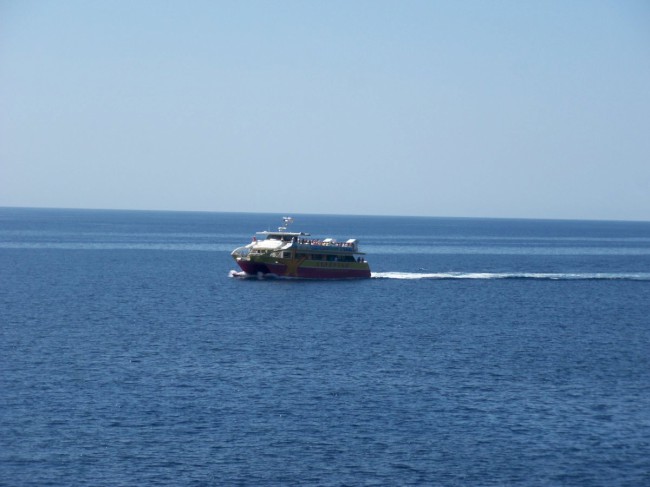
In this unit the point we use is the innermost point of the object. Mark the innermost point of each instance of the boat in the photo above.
(297, 254)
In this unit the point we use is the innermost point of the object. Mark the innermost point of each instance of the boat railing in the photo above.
(241, 252)
(305, 244)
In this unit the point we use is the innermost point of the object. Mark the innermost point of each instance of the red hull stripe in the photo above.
(304, 272)
(252, 267)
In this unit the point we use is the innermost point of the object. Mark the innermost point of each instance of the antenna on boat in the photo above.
(287, 221)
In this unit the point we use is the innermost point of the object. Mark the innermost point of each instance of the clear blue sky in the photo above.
(516, 108)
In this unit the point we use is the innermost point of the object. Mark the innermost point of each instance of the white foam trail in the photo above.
(550, 276)
(638, 276)
(259, 275)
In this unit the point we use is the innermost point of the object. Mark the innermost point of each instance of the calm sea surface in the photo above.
(482, 352)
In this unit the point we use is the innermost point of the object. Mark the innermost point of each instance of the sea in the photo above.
(482, 352)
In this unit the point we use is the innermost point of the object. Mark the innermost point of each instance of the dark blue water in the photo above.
(483, 352)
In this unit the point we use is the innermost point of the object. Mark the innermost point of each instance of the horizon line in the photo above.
(378, 215)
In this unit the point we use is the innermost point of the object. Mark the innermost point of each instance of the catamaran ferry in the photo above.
(296, 254)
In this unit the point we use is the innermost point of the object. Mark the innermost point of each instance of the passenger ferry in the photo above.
(296, 254)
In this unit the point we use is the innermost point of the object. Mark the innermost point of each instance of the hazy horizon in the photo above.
(294, 214)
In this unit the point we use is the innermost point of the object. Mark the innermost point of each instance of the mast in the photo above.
(287, 220)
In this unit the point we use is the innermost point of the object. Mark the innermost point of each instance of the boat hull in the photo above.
(251, 267)
(306, 270)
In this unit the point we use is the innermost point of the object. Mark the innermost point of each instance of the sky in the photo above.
(513, 109)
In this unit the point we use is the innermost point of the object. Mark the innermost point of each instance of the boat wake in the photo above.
(552, 276)
(259, 275)
(547, 276)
